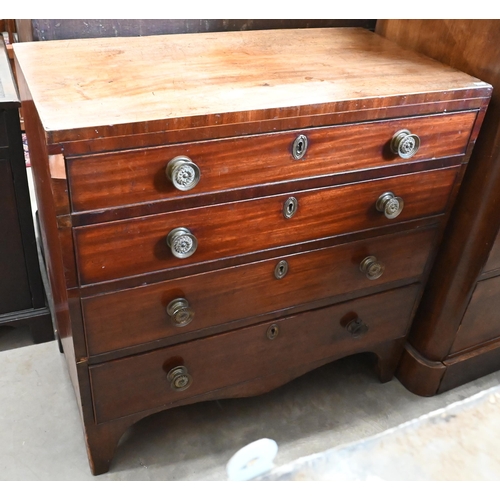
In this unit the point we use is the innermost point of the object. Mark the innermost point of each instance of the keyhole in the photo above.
(290, 207)
(299, 147)
(281, 269)
(272, 332)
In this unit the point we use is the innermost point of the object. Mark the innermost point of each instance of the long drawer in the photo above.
(132, 177)
(139, 315)
(137, 246)
(141, 382)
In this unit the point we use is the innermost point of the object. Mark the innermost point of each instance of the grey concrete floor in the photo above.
(42, 439)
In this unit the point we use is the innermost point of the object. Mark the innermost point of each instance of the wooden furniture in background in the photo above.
(224, 230)
(22, 298)
(456, 334)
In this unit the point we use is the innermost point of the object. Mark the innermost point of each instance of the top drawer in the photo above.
(139, 176)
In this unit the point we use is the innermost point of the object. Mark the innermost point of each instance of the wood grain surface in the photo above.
(192, 80)
(125, 248)
(139, 383)
(132, 317)
(132, 177)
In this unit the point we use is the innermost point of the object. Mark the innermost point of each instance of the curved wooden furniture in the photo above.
(315, 170)
(455, 337)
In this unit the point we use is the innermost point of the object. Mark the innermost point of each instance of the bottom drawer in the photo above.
(481, 321)
(141, 382)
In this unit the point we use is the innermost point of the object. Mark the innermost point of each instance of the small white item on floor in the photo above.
(252, 460)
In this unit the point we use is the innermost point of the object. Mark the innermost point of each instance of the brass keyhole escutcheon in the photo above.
(281, 269)
(273, 331)
(290, 207)
(299, 147)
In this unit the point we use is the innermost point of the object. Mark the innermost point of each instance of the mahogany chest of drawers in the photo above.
(225, 212)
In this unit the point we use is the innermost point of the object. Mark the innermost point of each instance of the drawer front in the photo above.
(139, 315)
(132, 177)
(140, 382)
(137, 246)
(481, 321)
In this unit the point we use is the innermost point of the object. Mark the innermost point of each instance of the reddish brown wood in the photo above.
(221, 78)
(117, 349)
(140, 382)
(350, 112)
(124, 248)
(116, 179)
(136, 316)
(418, 374)
(471, 46)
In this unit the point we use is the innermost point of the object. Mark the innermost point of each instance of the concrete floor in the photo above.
(41, 434)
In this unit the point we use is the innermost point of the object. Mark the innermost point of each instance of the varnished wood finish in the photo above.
(472, 46)
(136, 316)
(235, 102)
(124, 248)
(219, 79)
(215, 362)
(115, 179)
(481, 321)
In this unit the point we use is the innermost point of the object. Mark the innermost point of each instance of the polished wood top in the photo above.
(229, 77)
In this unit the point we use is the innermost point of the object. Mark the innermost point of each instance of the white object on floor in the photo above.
(252, 460)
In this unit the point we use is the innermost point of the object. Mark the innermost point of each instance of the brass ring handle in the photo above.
(179, 378)
(390, 205)
(405, 144)
(183, 173)
(182, 242)
(180, 312)
(357, 327)
(371, 267)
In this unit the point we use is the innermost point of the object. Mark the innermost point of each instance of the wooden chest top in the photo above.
(89, 89)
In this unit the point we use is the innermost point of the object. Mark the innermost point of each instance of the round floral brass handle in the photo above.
(405, 144)
(183, 173)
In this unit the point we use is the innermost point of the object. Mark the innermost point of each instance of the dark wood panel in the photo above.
(15, 294)
(124, 248)
(481, 322)
(138, 383)
(472, 46)
(131, 317)
(471, 365)
(131, 177)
